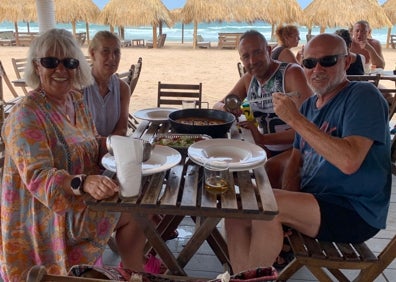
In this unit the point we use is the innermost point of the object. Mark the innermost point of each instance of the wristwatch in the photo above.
(77, 184)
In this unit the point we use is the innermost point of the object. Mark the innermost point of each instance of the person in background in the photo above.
(370, 48)
(337, 184)
(51, 162)
(108, 97)
(357, 60)
(288, 37)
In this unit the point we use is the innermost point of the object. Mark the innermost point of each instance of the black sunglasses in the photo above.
(326, 61)
(52, 62)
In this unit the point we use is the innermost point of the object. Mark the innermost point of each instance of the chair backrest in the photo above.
(371, 78)
(19, 68)
(161, 40)
(174, 94)
(131, 76)
(241, 69)
(4, 76)
(133, 79)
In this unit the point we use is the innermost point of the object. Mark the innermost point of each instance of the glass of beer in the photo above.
(216, 176)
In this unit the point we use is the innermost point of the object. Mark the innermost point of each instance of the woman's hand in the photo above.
(100, 187)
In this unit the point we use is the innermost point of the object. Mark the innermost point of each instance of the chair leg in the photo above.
(319, 273)
(289, 270)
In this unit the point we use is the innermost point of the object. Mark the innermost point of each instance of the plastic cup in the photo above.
(188, 104)
(216, 175)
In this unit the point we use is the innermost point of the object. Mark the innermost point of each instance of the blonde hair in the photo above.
(284, 31)
(102, 35)
(62, 43)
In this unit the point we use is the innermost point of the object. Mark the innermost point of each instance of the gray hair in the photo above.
(62, 43)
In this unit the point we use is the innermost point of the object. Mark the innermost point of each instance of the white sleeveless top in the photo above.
(106, 110)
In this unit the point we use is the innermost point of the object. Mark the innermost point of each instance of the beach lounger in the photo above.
(201, 43)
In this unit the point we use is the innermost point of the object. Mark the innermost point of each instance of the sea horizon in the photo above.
(209, 31)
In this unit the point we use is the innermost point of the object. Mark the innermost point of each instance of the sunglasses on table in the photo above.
(326, 61)
(52, 62)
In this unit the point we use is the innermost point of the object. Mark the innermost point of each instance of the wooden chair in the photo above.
(174, 94)
(371, 78)
(318, 255)
(19, 68)
(160, 41)
(241, 69)
(7, 105)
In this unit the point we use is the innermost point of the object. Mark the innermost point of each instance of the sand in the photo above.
(175, 63)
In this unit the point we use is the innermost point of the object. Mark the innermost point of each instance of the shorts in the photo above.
(342, 224)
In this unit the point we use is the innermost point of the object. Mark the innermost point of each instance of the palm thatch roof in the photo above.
(136, 13)
(197, 11)
(277, 12)
(322, 13)
(72, 11)
(16, 11)
(390, 10)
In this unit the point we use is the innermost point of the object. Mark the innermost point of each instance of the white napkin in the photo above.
(128, 155)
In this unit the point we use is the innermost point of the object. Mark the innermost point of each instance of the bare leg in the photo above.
(257, 243)
(253, 244)
(275, 166)
(130, 242)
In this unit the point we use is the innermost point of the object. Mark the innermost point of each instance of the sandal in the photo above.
(171, 235)
(154, 265)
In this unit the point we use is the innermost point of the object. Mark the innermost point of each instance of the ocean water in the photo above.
(209, 31)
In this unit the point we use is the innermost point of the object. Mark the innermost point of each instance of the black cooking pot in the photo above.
(214, 130)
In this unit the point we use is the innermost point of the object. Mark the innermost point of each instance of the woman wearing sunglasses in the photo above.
(52, 160)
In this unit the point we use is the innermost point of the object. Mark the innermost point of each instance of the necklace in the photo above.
(67, 110)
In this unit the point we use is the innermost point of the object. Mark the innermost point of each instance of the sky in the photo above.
(173, 4)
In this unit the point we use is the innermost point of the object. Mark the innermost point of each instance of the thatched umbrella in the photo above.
(136, 13)
(16, 11)
(322, 13)
(277, 12)
(197, 11)
(72, 11)
(390, 10)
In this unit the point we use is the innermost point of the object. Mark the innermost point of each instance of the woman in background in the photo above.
(358, 60)
(288, 37)
(108, 97)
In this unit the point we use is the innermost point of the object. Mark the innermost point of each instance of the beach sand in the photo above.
(175, 63)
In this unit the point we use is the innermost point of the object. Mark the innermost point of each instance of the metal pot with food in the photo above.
(201, 121)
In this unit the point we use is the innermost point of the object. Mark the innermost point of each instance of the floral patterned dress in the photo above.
(40, 223)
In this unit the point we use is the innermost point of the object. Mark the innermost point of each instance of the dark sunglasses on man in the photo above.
(52, 62)
(326, 61)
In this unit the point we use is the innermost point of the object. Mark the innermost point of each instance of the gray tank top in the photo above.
(260, 100)
(106, 110)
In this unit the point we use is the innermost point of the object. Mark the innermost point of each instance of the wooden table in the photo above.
(179, 192)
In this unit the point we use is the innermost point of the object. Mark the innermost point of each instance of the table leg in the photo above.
(159, 245)
(200, 235)
(218, 244)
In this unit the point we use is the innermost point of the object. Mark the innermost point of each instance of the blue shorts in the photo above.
(342, 224)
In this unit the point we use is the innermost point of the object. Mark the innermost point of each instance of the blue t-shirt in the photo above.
(360, 110)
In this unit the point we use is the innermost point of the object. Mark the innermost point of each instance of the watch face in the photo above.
(76, 182)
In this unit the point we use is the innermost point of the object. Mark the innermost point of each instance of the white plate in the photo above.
(154, 114)
(240, 155)
(162, 158)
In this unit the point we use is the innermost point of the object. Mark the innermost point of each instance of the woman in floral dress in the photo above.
(51, 164)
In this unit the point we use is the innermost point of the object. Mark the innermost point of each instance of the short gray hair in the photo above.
(57, 41)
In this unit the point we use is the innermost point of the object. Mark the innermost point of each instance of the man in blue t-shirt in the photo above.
(337, 184)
